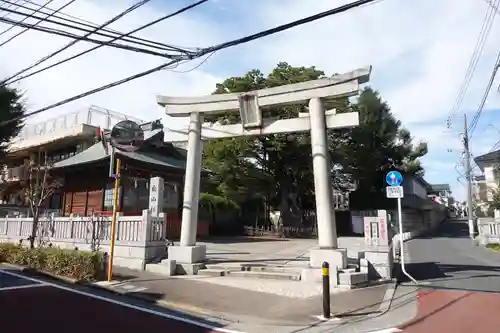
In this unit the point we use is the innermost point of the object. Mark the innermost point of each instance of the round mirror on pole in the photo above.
(127, 135)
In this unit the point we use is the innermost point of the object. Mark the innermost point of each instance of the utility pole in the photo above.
(468, 174)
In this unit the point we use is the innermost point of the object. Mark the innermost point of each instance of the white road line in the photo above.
(130, 288)
(127, 305)
(387, 330)
(127, 286)
(21, 287)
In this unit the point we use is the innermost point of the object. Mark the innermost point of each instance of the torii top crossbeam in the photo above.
(340, 85)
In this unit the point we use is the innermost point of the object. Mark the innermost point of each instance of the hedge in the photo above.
(494, 246)
(75, 264)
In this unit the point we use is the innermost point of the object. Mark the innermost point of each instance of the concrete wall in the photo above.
(412, 186)
(489, 230)
(139, 239)
(378, 261)
(412, 219)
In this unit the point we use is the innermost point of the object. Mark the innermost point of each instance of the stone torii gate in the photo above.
(249, 104)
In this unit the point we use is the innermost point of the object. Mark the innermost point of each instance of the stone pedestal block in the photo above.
(187, 254)
(336, 258)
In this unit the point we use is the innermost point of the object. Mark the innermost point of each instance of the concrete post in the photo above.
(156, 191)
(327, 233)
(192, 182)
(146, 226)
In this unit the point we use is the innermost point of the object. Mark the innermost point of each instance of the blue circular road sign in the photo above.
(394, 178)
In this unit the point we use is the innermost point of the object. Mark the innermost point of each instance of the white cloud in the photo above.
(419, 53)
(429, 45)
(430, 41)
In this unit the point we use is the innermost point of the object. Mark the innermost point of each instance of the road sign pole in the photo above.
(401, 243)
(113, 221)
(395, 191)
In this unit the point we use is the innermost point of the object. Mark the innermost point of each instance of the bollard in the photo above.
(326, 290)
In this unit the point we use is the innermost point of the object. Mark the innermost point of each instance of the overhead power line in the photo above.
(180, 11)
(65, 47)
(493, 5)
(11, 4)
(475, 120)
(27, 17)
(203, 52)
(495, 146)
(476, 55)
(72, 26)
(78, 37)
(31, 26)
(76, 20)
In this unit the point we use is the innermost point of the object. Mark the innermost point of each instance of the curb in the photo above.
(162, 303)
(26, 269)
(386, 303)
(398, 273)
(188, 309)
(374, 283)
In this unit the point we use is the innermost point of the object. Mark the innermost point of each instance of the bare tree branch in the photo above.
(40, 186)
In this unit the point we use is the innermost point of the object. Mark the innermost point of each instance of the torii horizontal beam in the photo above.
(271, 126)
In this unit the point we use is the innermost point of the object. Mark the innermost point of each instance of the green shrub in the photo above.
(494, 246)
(70, 263)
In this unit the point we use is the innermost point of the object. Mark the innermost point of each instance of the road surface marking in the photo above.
(387, 330)
(322, 318)
(22, 287)
(130, 288)
(127, 305)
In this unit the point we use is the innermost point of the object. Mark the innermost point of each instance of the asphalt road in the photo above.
(28, 306)
(449, 260)
(460, 290)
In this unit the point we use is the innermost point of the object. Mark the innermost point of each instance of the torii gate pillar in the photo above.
(317, 121)
(325, 216)
(192, 182)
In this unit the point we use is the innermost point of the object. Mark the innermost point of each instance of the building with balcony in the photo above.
(486, 184)
(480, 191)
(53, 140)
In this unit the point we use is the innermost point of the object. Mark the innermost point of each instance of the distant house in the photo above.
(417, 207)
(487, 183)
(480, 191)
(441, 193)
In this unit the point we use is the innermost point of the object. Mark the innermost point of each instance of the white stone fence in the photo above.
(489, 230)
(139, 239)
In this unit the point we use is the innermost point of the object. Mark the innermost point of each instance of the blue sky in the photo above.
(419, 54)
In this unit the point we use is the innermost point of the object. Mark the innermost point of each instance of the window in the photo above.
(142, 194)
(55, 201)
(108, 196)
(129, 197)
(171, 196)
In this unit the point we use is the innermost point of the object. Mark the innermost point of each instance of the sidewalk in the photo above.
(232, 299)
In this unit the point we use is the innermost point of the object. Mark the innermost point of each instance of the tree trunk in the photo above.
(34, 227)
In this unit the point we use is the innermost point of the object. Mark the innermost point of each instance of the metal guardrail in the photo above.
(94, 116)
(12, 174)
